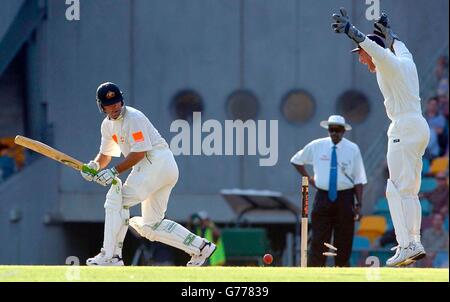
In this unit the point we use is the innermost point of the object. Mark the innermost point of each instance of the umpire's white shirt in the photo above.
(350, 165)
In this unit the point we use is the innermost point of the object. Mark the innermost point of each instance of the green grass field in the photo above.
(222, 274)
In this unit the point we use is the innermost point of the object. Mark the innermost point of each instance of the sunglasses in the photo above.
(336, 129)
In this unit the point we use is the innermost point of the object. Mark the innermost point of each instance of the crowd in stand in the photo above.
(436, 114)
(435, 236)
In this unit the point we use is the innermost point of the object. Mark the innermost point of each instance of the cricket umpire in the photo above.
(339, 176)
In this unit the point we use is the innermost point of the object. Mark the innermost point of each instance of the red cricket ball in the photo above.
(268, 259)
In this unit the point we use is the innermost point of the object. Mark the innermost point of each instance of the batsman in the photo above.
(154, 174)
(408, 134)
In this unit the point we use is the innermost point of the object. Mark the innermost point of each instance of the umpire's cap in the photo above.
(374, 38)
(108, 93)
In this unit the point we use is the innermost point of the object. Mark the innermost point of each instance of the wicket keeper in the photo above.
(408, 133)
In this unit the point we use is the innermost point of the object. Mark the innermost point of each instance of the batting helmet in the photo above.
(107, 94)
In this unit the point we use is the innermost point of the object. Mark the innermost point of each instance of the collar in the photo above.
(338, 146)
(121, 116)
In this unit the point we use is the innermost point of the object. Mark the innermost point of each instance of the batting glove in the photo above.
(106, 177)
(89, 170)
(342, 24)
(383, 30)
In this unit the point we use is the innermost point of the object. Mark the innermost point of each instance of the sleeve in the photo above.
(382, 57)
(360, 172)
(401, 51)
(108, 146)
(139, 134)
(304, 156)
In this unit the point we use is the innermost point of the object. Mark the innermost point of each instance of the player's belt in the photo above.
(405, 115)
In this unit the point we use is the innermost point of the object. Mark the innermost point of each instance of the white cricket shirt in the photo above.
(132, 133)
(397, 78)
(350, 165)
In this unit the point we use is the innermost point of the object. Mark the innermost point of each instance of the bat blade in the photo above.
(48, 152)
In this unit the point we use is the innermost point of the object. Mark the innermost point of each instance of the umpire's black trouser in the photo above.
(327, 217)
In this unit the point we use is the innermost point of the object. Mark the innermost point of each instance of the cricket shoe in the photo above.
(392, 259)
(101, 260)
(407, 256)
(207, 250)
(420, 251)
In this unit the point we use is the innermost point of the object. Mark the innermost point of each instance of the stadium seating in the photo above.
(425, 166)
(441, 259)
(428, 184)
(372, 227)
(360, 243)
(382, 255)
(426, 207)
(360, 248)
(427, 222)
(7, 167)
(390, 224)
(438, 165)
(381, 206)
(246, 245)
(382, 209)
(357, 223)
(387, 216)
(15, 151)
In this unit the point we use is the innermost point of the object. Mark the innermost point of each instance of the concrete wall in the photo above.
(32, 197)
(13, 97)
(11, 81)
(154, 48)
(8, 11)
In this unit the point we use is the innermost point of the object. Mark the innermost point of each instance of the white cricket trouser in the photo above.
(150, 183)
(408, 138)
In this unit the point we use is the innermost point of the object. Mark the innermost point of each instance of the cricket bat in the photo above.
(52, 153)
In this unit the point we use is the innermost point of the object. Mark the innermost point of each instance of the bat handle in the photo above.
(86, 169)
(91, 171)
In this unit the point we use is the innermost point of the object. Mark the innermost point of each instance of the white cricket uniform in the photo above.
(150, 183)
(152, 179)
(318, 154)
(408, 135)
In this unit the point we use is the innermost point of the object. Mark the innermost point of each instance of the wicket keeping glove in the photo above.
(89, 170)
(383, 30)
(342, 24)
(106, 177)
